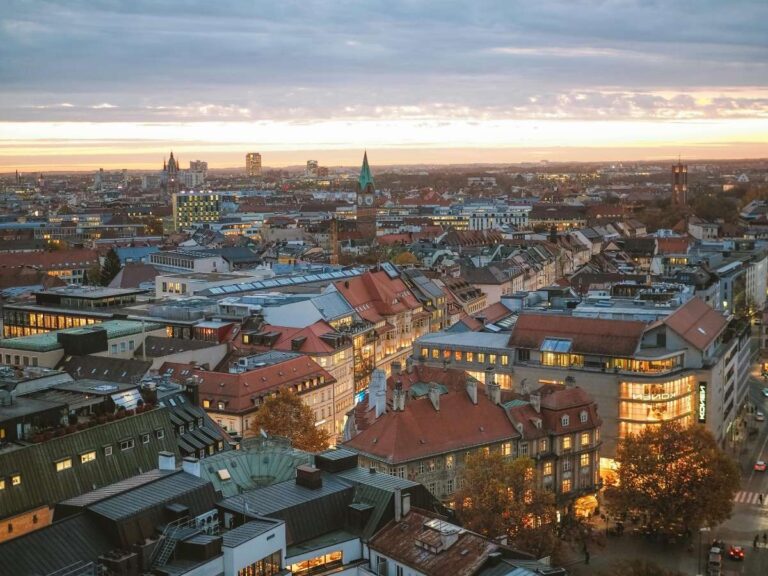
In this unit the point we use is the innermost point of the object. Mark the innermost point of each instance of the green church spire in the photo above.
(366, 178)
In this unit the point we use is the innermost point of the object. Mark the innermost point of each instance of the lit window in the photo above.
(543, 445)
(504, 359)
(566, 486)
(206, 403)
(584, 460)
(221, 405)
(65, 464)
(88, 457)
(2, 483)
(16, 480)
(481, 357)
(566, 442)
(492, 358)
(449, 462)
(470, 357)
(547, 468)
(585, 438)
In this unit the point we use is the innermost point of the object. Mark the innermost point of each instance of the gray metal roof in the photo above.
(145, 497)
(117, 488)
(248, 531)
(386, 482)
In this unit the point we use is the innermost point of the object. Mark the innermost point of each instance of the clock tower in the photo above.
(366, 198)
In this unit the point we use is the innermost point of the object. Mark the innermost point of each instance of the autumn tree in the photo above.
(499, 497)
(286, 415)
(676, 477)
(111, 267)
(405, 258)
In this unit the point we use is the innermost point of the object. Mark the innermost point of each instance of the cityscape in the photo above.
(383, 289)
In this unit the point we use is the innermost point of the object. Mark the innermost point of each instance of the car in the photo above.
(736, 552)
(760, 466)
(765, 392)
(759, 417)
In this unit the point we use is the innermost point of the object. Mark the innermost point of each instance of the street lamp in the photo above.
(701, 532)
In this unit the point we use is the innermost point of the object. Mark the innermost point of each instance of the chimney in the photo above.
(398, 504)
(536, 401)
(434, 396)
(309, 477)
(380, 402)
(191, 466)
(396, 368)
(472, 390)
(166, 460)
(398, 397)
(488, 377)
(494, 392)
(480, 319)
(406, 504)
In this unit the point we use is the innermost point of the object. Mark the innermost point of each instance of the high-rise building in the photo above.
(253, 164)
(311, 170)
(195, 208)
(679, 184)
(198, 166)
(366, 209)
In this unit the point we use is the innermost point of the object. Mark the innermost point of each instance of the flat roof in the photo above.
(91, 292)
(94, 386)
(48, 341)
(468, 339)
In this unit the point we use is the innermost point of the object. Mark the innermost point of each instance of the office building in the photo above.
(253, 165)
(195, 208)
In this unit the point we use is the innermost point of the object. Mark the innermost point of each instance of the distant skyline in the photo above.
(118, 84)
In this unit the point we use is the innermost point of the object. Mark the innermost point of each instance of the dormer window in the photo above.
(565, 420)
(583, 416)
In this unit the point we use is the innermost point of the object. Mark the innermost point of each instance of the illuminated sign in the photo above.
(653, 397)
(702, 401)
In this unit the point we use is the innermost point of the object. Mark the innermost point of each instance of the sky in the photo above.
(119, 83)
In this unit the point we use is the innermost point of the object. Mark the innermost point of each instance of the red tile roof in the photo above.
(375, 295)
(587, 335)
(56, 260)
(697, 323)
(556, 402)
(313, 343)
(673, 245)
(239, 390)
(420, 431)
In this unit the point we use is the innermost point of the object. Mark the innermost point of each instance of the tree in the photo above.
(286, 415)
(638, 567)
(676, 477)
(405, 258)
(111, 267)
(499, 497)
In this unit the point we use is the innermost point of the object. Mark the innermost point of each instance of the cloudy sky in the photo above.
(118, 83)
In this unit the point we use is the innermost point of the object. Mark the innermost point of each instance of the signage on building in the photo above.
(702, 401)
(653, 397)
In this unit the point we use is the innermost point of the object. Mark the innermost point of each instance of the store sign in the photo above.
(702, 401)
(653, 397)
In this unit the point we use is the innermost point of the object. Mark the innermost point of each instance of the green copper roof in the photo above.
(365, 174)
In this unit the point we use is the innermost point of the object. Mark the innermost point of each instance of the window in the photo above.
(398, 571)
(435, 353)
(449, 462)
(65, 464)
(492, 358)
(421, 467)
(543, 445)
(221, 405)
(449, 486)
(523, 448)
(565, 420)
(566, 465)
(481, 357)
(2, 483)
(584, 439)
(566, 442)
(583, 416)
(470, 356)
(113, 349)
(206, 403)
(107, 450)
(547, 468)
(127, 444)
(523, 355)
(505, 359)
(584, 460)
(123, 346)
(159, 433)
(566, 486)
(506, 449)
(88, 457)
(145, 438)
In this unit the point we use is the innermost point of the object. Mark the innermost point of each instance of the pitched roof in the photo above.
(312, 343)
(125, 371)
(133, 274)
(420, 431)
(366, 177)
(58, 259)
(697, 323)
(587, 335)
(374, 295)
(678, 245)
(238, 390)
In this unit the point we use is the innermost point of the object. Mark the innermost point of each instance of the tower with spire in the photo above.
(679, 184)
(171, 175)
(366, 201)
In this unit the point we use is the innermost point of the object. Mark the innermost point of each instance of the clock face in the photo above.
(369, 200)
(360, 200)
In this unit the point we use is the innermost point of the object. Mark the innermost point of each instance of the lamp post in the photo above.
(701, 532)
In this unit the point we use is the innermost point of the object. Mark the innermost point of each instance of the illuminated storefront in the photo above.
(318, 564)
(642, 403)
(267, 566)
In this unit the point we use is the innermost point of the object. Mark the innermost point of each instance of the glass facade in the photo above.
(642, 403)
(317, 565)
(267, 566)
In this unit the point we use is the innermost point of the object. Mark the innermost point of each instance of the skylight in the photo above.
(556, 345)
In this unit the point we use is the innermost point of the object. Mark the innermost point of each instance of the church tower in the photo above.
(171, 175)
(366, 208)
(679, 184)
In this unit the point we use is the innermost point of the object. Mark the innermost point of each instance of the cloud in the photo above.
(313, 60)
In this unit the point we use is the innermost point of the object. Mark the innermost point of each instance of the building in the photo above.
(253, 165)
(691, 366)
(72, 266)
(170, 176)
(232, 398)
(679, 184)
(423, 422)
(183, 261)
(311, 170)
(192, 208)
(366, 202)
(112, 338)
